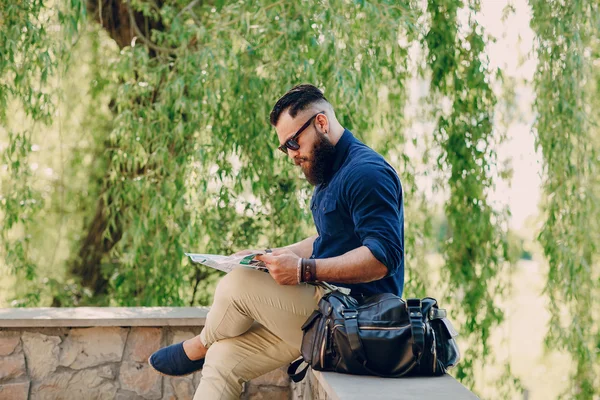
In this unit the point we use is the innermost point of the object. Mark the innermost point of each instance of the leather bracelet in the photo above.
(309, 270)
(313, 269)
(299, 272)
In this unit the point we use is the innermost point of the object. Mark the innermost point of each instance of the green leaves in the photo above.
(192, 162)
(475, 250)
(567, 134)
(172, 150)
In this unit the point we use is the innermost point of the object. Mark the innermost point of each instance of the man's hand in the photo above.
(282, 265)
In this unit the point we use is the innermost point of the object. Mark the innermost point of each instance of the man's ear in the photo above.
(322, 122)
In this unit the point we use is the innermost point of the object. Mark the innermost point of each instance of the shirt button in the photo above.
(313, 256)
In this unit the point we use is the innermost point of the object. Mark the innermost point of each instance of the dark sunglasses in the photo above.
(292, 143)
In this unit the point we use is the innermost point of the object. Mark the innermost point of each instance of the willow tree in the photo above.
(29, 57)
(475, 250)
(189, 160)
(567, 86)
(183, 158)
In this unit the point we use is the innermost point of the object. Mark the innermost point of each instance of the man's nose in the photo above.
(292, 153)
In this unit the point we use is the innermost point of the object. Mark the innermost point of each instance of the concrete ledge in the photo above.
(354, 387)
(45, 353)
(102, 316)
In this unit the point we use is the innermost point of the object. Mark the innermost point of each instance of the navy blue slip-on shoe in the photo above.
(173, 361)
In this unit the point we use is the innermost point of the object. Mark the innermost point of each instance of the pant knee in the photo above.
(221, 361)
(234, 284)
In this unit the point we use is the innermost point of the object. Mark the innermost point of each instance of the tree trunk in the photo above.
(113, 16)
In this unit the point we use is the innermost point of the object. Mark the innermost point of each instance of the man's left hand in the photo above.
(282, 265)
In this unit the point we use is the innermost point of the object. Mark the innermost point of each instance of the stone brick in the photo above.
(9, 340)
(41, 352)
(181, 388)
(69, 384)
(14, 391)
(127, 395)
(178, 388)
(180, 336)
(196, 377)
(88, 347)
(267, 393)
(278, 377)
(12, 366)
(314, 387)
(107, 371)
(141, 379)
(168, 393)
(300, 390)
(142, 342)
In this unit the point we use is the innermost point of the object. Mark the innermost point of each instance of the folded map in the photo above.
(228, 263)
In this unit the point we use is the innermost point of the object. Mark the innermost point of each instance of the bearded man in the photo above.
(253, 326)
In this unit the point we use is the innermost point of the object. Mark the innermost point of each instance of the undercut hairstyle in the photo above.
(299, 98)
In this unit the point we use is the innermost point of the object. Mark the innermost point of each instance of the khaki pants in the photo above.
(253, 327)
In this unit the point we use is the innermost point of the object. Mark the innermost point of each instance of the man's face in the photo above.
(316, 153)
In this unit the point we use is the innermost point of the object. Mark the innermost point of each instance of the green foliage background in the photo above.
(132, 131)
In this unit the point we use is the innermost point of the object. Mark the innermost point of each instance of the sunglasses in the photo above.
(292, 142)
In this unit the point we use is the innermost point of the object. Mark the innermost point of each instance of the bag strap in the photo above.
(351, 322)
(417, 327)
(293, 370)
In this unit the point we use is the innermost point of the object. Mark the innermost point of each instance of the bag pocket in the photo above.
(448, 354)
(311, 330)
(386, 345)
(319, 345)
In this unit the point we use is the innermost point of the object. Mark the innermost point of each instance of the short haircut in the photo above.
(297, 99)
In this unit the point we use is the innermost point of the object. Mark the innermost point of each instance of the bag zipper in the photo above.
(434, 345)
(383, 328)
(372, 328)
(323, 345)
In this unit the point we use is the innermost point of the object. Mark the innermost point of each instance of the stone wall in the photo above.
(104, 363)
(89, 353)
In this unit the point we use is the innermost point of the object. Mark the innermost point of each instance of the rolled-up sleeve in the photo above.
(374, 196)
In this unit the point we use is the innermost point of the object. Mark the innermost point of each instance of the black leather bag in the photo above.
(380, 335)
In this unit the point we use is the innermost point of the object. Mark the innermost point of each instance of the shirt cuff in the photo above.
(379, 253)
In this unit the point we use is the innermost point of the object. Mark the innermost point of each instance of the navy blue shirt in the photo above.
(361, 205)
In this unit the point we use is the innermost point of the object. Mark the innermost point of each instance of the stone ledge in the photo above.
(102, 316)
(354, 387)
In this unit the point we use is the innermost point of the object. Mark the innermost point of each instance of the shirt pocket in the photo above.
(331, 220)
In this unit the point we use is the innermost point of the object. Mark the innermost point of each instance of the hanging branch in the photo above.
(143, 38)
(474, 251)
(566, 131)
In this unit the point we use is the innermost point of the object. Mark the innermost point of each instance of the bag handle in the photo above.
(294, 374)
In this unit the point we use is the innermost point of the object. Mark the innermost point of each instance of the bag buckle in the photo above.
(413, 307)
(350, 314)
(437, 313)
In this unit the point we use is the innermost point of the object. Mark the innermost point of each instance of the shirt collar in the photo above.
(341, 149)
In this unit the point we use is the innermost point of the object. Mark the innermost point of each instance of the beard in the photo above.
(318, 167)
